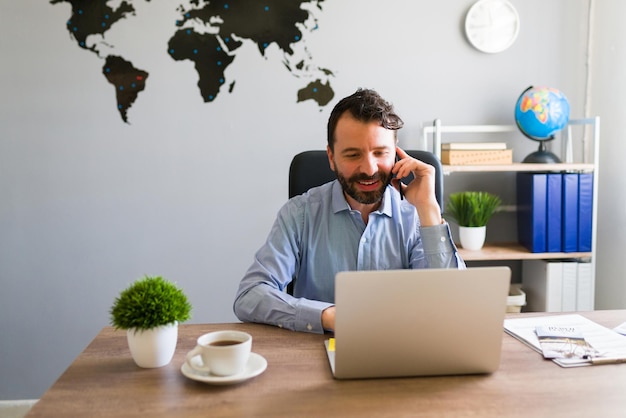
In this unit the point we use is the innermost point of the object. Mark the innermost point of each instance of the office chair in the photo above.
(310, 169)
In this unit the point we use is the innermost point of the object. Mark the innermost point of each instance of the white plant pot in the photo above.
(153, 347)
(472, 237)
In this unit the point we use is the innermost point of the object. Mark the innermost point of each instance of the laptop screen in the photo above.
(419, 322)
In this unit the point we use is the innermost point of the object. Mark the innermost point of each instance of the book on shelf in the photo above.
(569, 284)
(585, 291)
(473, 146)
(555, 211)
(585, 211)
(542, 282)
(558, 286)
(531, 211)
(476, 157)
(570, 212)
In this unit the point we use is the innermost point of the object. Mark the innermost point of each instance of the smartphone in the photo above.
(399, 184)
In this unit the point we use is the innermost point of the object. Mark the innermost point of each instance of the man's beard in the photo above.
(367, 198)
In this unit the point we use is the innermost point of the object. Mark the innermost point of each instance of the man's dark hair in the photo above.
(366, 106)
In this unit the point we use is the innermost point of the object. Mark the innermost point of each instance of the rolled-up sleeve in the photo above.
(267, 305)
(439, 248)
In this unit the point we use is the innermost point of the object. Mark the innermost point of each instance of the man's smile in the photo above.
(368, 185)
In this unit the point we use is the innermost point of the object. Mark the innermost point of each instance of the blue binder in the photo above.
(531, 211)
(585, 211)
(570, 212)
(553, 213)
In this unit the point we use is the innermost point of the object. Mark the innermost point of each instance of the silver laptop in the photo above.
(425, 322)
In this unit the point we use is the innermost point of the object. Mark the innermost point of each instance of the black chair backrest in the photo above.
(310, 169)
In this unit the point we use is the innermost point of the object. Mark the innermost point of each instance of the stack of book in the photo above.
(558, 286)
(555, 211)
(475, 153)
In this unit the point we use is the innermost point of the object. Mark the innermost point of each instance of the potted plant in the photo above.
(471, 211)
(150, 310)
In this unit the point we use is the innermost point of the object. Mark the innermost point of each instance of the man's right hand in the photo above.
(328, 318)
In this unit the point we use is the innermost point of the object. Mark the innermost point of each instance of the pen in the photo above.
(607, 360)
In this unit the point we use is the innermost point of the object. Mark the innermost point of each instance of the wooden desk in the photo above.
(104, 381)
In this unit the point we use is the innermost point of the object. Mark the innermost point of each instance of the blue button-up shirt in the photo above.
(315, 236)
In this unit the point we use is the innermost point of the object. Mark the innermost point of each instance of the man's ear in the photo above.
(330, 158)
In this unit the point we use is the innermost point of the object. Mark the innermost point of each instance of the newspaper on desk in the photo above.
(605, 342)
(564, 342)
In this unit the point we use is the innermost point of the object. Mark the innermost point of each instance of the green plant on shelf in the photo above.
(472, 209)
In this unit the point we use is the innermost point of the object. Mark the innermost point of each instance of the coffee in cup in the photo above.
(222, 353)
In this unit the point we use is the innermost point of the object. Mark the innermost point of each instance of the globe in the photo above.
(541, 112)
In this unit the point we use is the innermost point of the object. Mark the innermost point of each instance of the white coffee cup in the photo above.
(223, 353)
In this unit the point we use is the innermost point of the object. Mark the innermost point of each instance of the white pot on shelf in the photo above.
(472, 237)
(153, 347)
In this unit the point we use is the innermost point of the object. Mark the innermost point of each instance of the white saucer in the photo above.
(255, 366)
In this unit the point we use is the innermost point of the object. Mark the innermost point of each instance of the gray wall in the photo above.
(607, 90)
(189, 190)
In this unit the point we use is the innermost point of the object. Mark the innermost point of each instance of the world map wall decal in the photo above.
(209, 34)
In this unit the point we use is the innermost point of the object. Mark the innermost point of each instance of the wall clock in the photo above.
(492, 25)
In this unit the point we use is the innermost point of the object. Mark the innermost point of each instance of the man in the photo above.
(361, 221)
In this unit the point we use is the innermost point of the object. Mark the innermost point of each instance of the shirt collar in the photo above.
(339, 202)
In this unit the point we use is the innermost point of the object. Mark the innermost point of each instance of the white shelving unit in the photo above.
(589, 141)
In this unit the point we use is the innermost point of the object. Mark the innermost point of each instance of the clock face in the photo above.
(492, 25)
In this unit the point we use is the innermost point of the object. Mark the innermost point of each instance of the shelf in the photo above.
(578, 167)
(586, 138)
(512, 251)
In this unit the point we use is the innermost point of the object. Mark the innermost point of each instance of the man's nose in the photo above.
(370, 165)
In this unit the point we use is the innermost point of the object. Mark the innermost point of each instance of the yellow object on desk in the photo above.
(331, 344)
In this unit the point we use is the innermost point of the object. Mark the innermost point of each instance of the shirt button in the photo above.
(443, 239)
(309, 327)
(363, 240)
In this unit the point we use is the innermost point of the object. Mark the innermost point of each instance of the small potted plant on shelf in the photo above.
(471, 211)
(150, 310)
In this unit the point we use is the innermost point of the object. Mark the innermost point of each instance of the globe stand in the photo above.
(542, 156)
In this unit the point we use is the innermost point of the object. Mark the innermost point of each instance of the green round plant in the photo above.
(472, 209)
(149, 303)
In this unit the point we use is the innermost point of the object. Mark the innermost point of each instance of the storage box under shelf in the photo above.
(478, 157)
